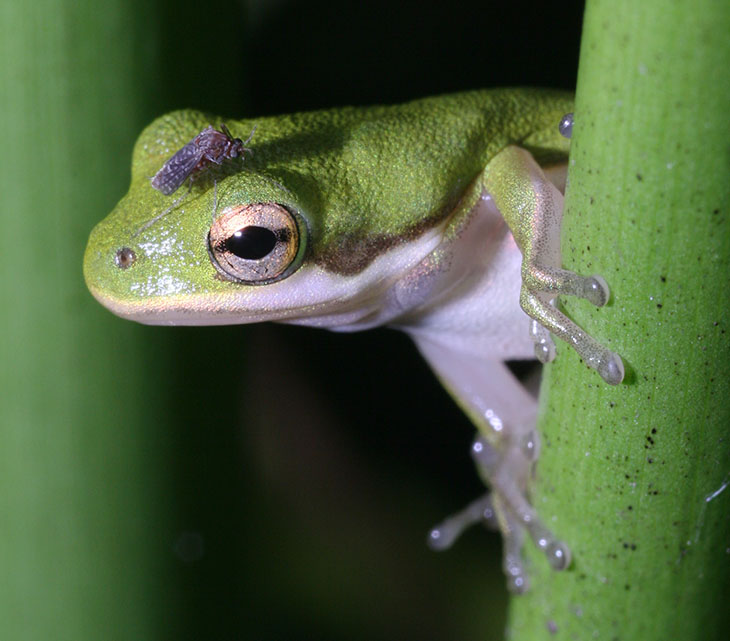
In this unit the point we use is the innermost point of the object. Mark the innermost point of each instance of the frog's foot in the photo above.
(540, 286)
(550, 320)
(506, 509)
(482, 511)
(442, 536)
(593, 289)
(499, 470)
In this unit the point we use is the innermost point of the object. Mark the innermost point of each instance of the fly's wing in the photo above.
(174, 172)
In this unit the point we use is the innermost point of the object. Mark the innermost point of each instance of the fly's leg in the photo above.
(152, 221)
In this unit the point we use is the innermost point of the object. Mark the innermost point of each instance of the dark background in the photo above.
(312, 470)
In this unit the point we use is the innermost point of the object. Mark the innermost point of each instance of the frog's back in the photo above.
(384, 170)
(479, 123)
(490, 119)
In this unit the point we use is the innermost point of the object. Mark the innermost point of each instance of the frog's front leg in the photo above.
(532, 207)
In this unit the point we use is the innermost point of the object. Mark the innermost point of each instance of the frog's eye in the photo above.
(256, 243)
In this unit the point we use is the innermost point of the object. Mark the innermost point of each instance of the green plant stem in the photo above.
(634, 477)
(86, 533)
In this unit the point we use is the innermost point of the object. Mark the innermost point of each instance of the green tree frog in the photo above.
(440, 217)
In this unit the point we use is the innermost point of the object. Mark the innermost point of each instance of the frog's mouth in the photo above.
(353, 313)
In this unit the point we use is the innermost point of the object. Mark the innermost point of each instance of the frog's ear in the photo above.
(162, 138)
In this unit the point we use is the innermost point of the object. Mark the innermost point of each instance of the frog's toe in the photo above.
(506, 508)
(611, 368)
(558, 555)
(544, 343)
(607, 363)
(512, 565)
(596, 290)
(556, 552)
(517, 582)
(515, 514)
(538, 278)
(442, 536)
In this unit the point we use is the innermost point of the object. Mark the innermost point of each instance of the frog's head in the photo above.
(247, 243)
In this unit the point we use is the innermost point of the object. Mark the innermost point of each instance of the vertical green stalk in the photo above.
(84, 533)
(635, 477)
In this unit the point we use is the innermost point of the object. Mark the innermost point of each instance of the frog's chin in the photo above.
(174, 310)
(345, 314)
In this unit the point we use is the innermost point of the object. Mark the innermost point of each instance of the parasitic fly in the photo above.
(209, 146)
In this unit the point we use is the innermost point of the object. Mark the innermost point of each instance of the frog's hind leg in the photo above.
(507, 510)
(505, 453)
(532, 207)
(517, 512)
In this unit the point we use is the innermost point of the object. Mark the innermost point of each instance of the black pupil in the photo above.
(251, 242)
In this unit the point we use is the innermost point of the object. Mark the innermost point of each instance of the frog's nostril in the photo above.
(125, 258)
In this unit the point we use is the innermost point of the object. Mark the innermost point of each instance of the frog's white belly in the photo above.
(473, 306)
(462, 294)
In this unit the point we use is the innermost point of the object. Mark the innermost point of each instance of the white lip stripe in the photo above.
(308, 296)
